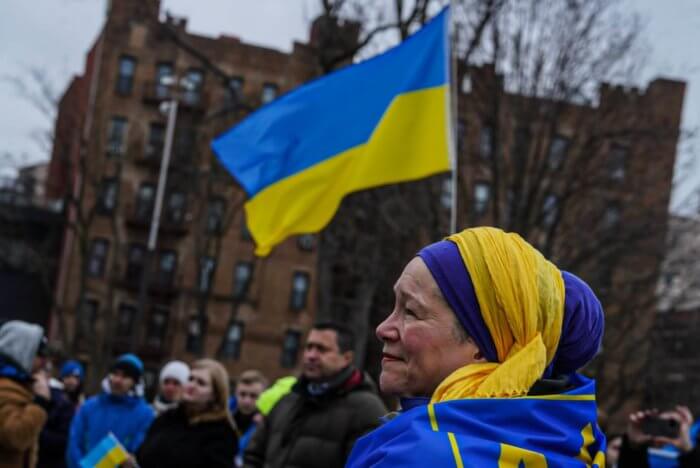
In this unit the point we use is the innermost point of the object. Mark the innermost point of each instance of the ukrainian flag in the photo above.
(548, 431)
(382, 121)
(109, 453)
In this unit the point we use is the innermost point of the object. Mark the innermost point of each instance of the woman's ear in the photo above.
(476, 354)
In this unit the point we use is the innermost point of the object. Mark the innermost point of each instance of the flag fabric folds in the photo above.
(109, 453)
(546, 431)
(382, 121)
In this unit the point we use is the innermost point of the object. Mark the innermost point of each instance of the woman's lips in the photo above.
(387, 357)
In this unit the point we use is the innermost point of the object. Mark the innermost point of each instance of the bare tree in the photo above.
(567, 160)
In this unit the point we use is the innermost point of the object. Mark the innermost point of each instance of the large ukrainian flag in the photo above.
(382, 121)
(546, 431)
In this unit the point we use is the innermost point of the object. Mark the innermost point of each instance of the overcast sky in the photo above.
(55, 34)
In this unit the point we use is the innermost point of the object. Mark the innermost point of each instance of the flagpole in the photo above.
(454, 108)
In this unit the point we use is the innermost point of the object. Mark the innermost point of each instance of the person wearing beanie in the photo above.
(24, 393)
(119, 409)
(66, 397)
(483, 347)
(72, 375)
(173, 377)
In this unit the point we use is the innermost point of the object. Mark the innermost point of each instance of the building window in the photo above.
(466, 84)
(194, 79)
(207, 266)
(446, 193)
(300, 290)
(107, 199)
(611, 216)
(242, 277)
(234, 90)
(125, 79)
(461, 134)
(175, 208)
(306, 242)
(269, 92)
(215, 215)
(558, 148)
(290, 348)
(116, 135)
(125, 319)
(195, 334)
(150, 380)
(521, 148)
(183, 148)
(86, 320)
(164, 71)
(145, 199)
(156, 140)
(550, 209)
(485, 142)
(157, 327)
(135, 262)
(616, 162)
(245, 232)
(167, 263)
(482, 194)
(97, 260)
(231, 346)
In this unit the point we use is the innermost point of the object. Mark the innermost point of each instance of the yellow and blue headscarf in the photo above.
(530, 321)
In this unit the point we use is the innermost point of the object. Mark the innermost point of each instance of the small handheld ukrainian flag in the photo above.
(109, 453)
(382, 121)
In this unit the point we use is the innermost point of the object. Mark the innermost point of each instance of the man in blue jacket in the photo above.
(119, 409)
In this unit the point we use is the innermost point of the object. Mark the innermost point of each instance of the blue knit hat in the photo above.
(72, 368)
(130, 364)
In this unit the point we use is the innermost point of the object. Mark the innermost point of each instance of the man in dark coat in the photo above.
(328, 409)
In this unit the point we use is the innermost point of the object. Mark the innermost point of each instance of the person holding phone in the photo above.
(656, 438)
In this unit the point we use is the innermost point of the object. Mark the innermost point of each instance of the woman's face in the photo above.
(199, 389)
(421, 344)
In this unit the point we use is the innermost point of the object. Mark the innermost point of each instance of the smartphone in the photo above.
(655, 426)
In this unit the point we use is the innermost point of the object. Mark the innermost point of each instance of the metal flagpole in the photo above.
(454, 95)
(150, 256)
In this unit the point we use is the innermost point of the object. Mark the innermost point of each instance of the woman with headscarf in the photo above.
(200, 431)
(482, 346)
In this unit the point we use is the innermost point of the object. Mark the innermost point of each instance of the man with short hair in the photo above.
(331, 405)
(24, 393)
(250, 385)
(172, 379)
(119, 409)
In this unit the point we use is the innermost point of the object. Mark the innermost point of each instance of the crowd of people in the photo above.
(481, 351)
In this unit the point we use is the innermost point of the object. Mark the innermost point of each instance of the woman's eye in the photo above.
(410, 312)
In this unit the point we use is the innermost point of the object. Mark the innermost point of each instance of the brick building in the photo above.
(674, 373)
(589, 184)
(208, 294)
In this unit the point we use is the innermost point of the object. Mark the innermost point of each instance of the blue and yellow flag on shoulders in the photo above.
(382, 121)
(109, 453)
(546, 431)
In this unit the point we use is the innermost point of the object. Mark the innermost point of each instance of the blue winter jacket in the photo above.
(127, 417)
